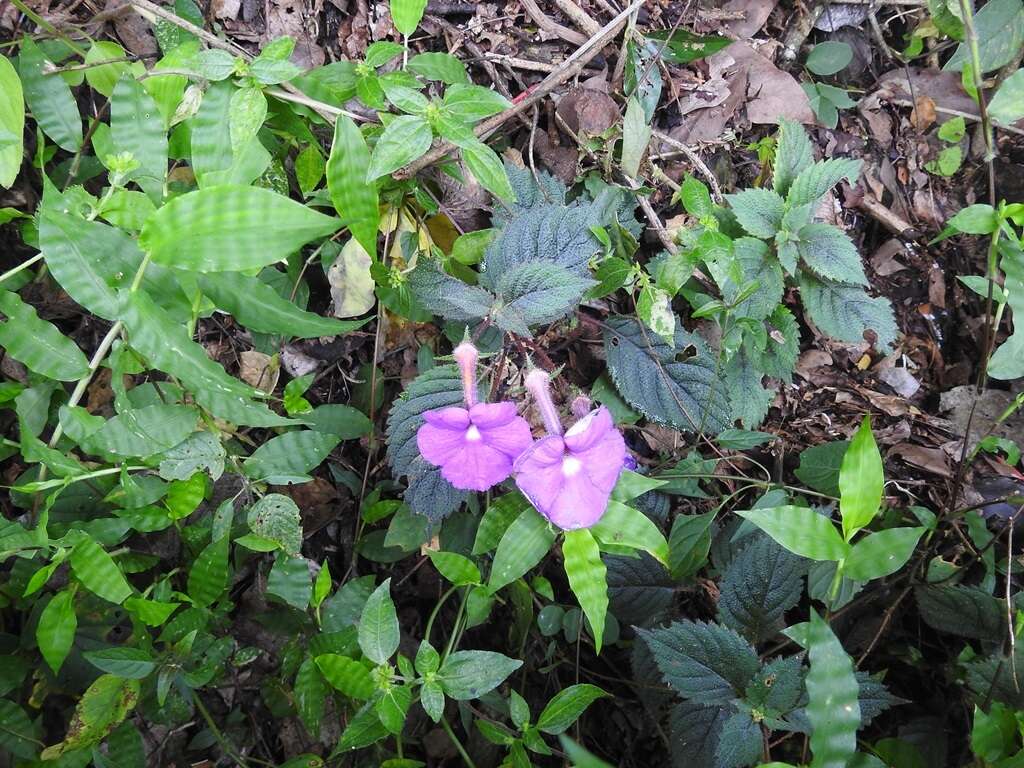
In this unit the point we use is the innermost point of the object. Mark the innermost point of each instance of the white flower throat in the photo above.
(571, 465)
(473, 434)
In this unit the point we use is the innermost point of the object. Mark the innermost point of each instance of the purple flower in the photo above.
(569, 478)
(475, 446)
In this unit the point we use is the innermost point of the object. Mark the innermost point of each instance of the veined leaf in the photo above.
(879, 554)
(537, 292)
(347, 675)
(260, 308)
(566, 706)
(830, 253)
(449, 297)
(37, 343)
(622, 525)
(817, 179)
(587, 578)
(231, 228)
(131, 663)
(103, 706)
(405, 139)
(12, 123)
(793, 155)
(458, 569)
(500, 514)
(378, 626)
(759, 211)
(144, 431)
(845, 311)
(469, 675)
(473, 102)
(484, 163)
(214, 161)
(439, 66)
(354, 199)
(523, 545)
(290, 455)
(861, 481)
(137, 127)
(208, 576)
(762, 582)
(49, 97)
(311, 694)
(406, 14)
(98, 572)
(800, 530)
(102, 78)
(276, 518)
(55, 632)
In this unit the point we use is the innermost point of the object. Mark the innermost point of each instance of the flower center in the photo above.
(571, 465)
(473, 434)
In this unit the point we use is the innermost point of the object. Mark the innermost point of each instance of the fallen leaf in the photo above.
(755, 14)
(351, 282)
(932, 460)
(296, 19)
(771, 93)
(901, 380)
(812, 360)
(259, 370)
(923, 114)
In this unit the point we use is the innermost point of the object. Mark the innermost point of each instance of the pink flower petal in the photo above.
(438, 444)
(451, 418)
(586, 432)
(488, 415)
(511, 439)
(477, 467)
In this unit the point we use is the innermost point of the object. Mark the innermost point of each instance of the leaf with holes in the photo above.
(276, 518)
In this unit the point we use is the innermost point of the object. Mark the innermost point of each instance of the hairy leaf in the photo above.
(961, 610)
(763, 581)
(537, 292)
(759, 211)
(817, 179)
(830, 253)
(845, 311)
(740, 743)
(447, 296)
(695, 730)
(793, 155)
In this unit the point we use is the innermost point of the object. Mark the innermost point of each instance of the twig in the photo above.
(694, 158)
(579, 17)
(549, 25)
(569, 69)
(884, 215)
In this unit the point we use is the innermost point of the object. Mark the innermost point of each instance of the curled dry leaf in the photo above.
(351, 282)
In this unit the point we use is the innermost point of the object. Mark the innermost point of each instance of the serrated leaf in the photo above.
(355, 201)
(276, 517)
(755, 264)
(702, 661)
(12, 123)
(833, 709)
(686, 394)
(293, 454)
(405, 139)
(537, 292)
(524, 544)
(845, 311)
(587, 578)
(778, 358)
(98, 572)
(817, 179)
(469, 675)
(800, 530)
(739, 743)
(963, 611)
(861, 480)
(55, 632)
(640, 592)
(50, 99)
(231, 228)
(440, 293)
(378, 625)
(763, 581)
(136, 126)
(759, 211)
(37, 343)
(750, 400)
(695, 730)
(793, 155)
(566, 706)
(830, 253)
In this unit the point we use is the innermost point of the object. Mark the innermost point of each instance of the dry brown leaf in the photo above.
(296, 19)
(771, 93)
(259, 370)
(755, 14)
(923, 114)
(932, 460)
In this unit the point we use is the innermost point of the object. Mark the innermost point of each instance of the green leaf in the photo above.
(276, 517)
(12, 123)
(566, 706)
(354, 200)
(451, 298)
(289, 581)
(537, 292)
(819, 466)
(198, 452)
(49, 97)
(1007, 106)
(378, 626)
(587, 578)
(459, 570)
(473, 102)
(98, 572)
(636, 134)
(800, 530)
(498, 516)
(130, 663)
(879, 554)
(231, 228)
(363, 730)
(759, 211)
(137, 127)
(311, 694)
(622, 525)
(17, 733)
(214, 159)
(845, 311)
(706, 662)
(817, 179)
(689, 543)
(392, 707)
(55, 633)
(443, 67)
(309, 168)
(208, 576)
(830, 253)
(486, 166)
(290, 456)
(144, 431)
(740, 742)
(469, 675)
(102, 78)
(676, 385)
(829, 57)
(405, 139)
(861, 481)
(524, 544)
(999, 26)
(833, 709)
(406, 14)
(762, 582)
(683, 46)
(37, 343)
(978, 219)
(793, 155)
(962, 611)
(103, 707)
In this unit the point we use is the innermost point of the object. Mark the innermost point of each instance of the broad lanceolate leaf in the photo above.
(291, 455)
(469, 675)
(311, 693)
(800, 530)
(706, 662)
(378, 626)
(1007, 106)
(354, 199)
(439, 66)
(484, 163)
(566, 706)
(817, 179)
(963, 611)
(12, 123)
(523, 545)
(759, 211)
(458, 569)
(406, 138)
(845, 311)
(98, 572)
(144, 431)
(763, 581)
(832, 689)
(214, 159)
(136, 126)
(999, 25)
(879, 554)
(49, 97)
(259, 307)
(406, 14)
(622, 525)
(860, 481)
(830, 253)
(37, 343)
(103, 707)
(793, 155)
(587, 578)
(55, 632)
(131, 663)
(231, 228)
(208, 576)
(686, 394)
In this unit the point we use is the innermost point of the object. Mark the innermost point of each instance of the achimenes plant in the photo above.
(812, 534)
